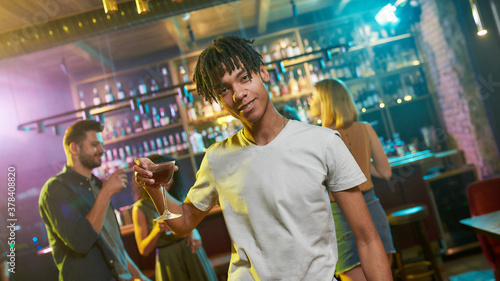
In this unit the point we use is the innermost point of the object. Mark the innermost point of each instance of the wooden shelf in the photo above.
(143, 133)
(208, 119)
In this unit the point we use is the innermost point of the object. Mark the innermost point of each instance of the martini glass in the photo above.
(162, 174)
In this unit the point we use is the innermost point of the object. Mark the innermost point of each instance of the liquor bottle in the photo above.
(185, 143)
(282, 46)
(293, 85)
(129, 157)
(206, 142)
(147, 150)
(120, 128)
(159, 146)
(96, 100)
(316, 46)
(313, 76)
(301, 80)
(156, 117)
(137, 125)
(120, 93)
(166, 146)
(266, 57)
(275, 52)
(192, 140)
(173, 147)
(174, 109)
(108, 97)
(154, 87)
(296, 49)
(191, 112)
(274, 87)
(147, 121)
(132, 90)
(183, 75)
(289, 49)
(82, 99)
(152, 145)
(307, 47)
(122, 156)
(283, 86)
(166, 77)
(128, 127)
(143, 89)
(164, 118)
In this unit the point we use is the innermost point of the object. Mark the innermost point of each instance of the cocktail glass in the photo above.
(162, 174)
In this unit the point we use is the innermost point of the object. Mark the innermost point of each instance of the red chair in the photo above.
(484, 197)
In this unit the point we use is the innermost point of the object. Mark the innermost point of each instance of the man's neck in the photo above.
(266, 130)
(79, 168)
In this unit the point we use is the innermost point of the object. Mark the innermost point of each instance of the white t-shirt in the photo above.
(275, 202)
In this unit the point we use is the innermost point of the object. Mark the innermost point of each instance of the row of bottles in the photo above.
(150, 83)
(145, 119)
(198, 109)
(282, 86)
(280, 49)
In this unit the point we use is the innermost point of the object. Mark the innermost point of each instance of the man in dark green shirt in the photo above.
(75, 206)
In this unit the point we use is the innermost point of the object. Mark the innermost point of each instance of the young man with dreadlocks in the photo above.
(272, 179)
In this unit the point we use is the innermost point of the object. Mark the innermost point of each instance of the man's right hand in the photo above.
(143, 176)
(115, 183)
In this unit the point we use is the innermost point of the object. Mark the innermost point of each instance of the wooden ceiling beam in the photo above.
(90, 23)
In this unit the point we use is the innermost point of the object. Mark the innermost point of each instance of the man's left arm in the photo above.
(374, 260)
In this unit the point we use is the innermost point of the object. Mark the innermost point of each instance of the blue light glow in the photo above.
(386, 15)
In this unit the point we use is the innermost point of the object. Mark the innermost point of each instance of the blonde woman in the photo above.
(333, 102)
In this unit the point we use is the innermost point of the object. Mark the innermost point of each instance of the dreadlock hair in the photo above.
(223, 54)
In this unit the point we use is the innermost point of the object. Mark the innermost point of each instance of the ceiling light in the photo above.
(477, 18)
(110, 6)
(142, 6)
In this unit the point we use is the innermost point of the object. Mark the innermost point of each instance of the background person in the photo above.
(333, 102)
(75, 207)
(177, 259)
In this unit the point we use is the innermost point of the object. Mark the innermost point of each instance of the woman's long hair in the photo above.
(337, 107)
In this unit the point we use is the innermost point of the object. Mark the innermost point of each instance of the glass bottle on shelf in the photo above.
(156, 117)
(301, 80)
(120, 93)
(266, 57)
(293, 85)
(289, 49)
(185, 143)
(313, 76)
(147, 122)
(283, 86)
(296, 49)
(137, 124)
(191, 112)
(173, 147)
(183, 76)
(159, 146)
(143, 89)
(154, 87)
(208, 109)
(82, 99)
(174, 109)
(307, 47)
(166, 145)
(166, 77)
(108, 97)
(96, 100)
(164, 118)
(128, 127)
(275, 52)
(274, 87)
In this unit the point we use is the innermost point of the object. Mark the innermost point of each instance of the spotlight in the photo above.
(477, 18)
(386, 15)
(142, 7)
(110, 6)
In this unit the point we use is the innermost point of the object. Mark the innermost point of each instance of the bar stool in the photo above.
(413, 215)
